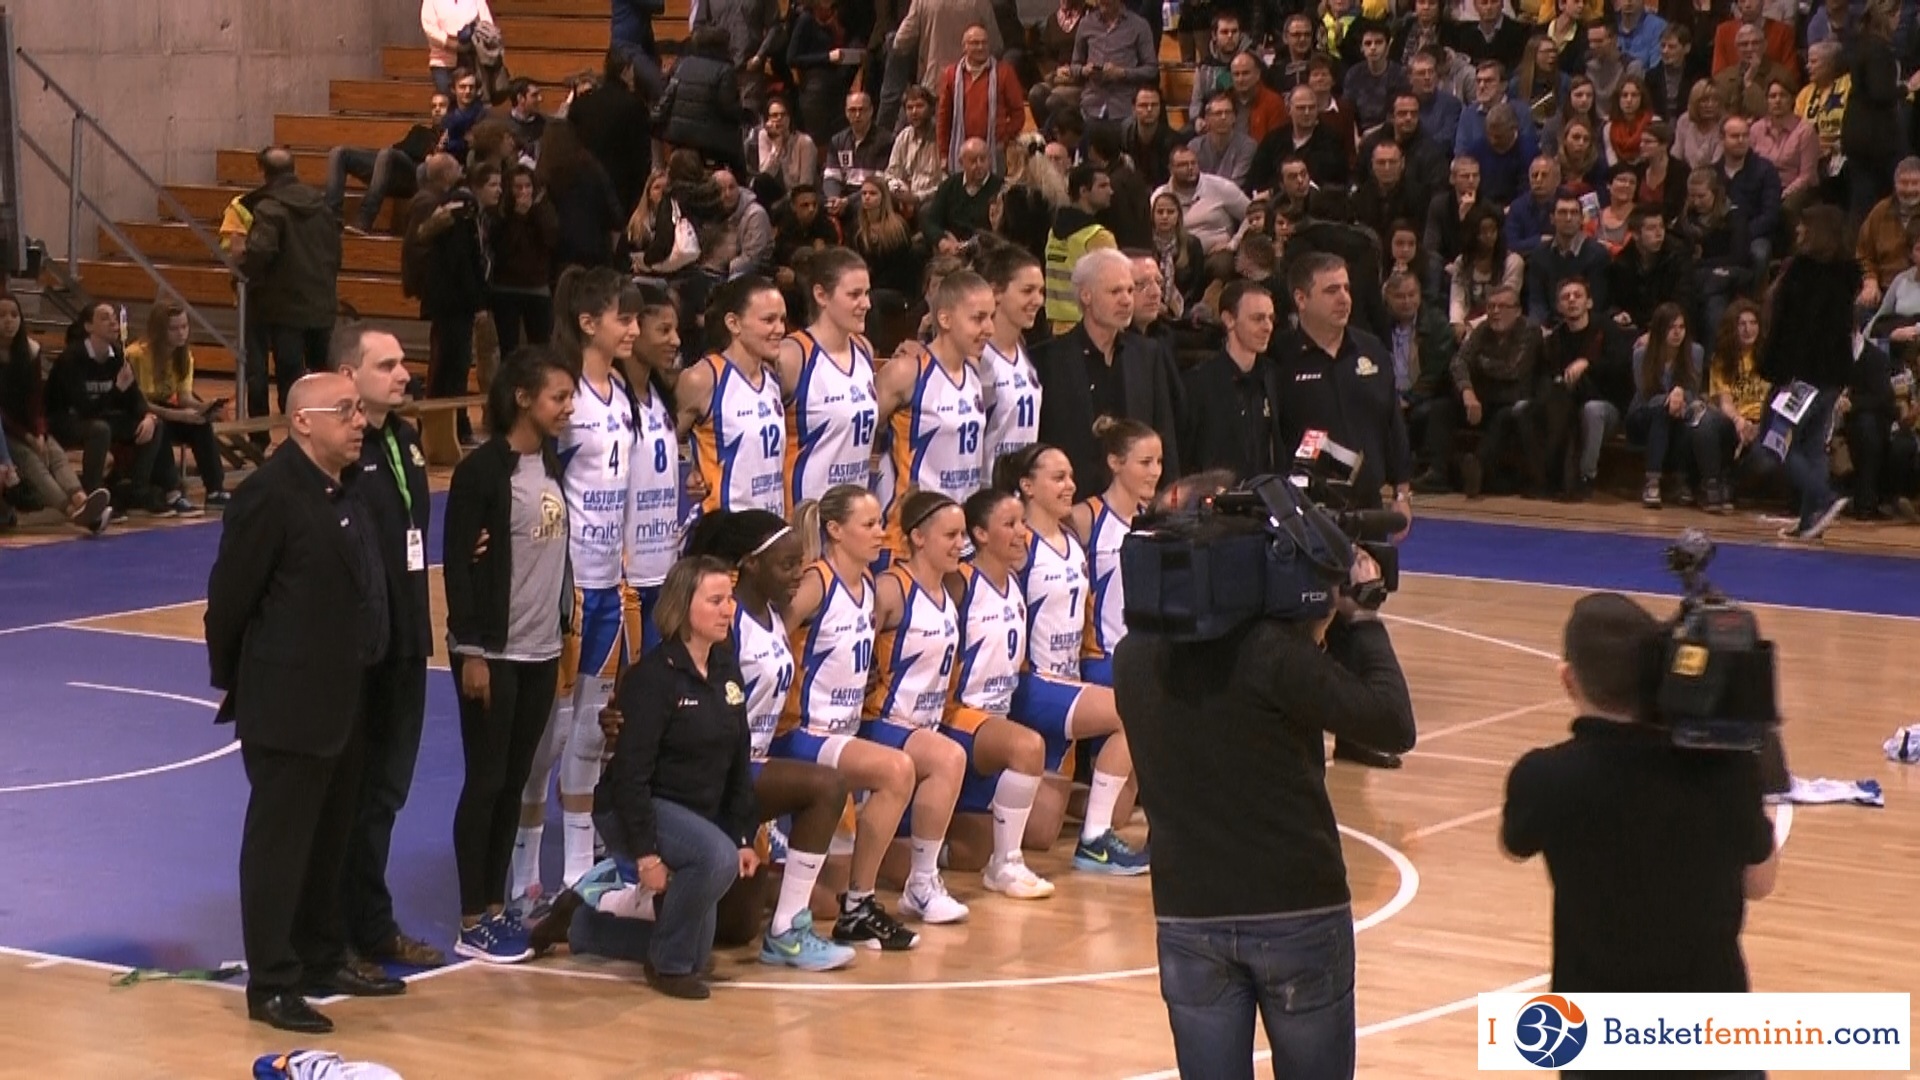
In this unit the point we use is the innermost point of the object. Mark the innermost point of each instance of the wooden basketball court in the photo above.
(1065, 987)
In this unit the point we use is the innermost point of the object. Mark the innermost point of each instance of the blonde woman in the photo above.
(1183, 261)
(884, 238)
(163, 363)
(1696, 136)
(660, 240)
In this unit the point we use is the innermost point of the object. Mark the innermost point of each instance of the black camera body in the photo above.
(1712, 675)
(1266, 549)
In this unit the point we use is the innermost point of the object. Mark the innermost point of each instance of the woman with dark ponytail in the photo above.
(653, 523)
(506, 612)
(826, 379)
(729, 402)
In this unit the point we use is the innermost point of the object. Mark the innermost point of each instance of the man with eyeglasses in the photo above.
(296, 614)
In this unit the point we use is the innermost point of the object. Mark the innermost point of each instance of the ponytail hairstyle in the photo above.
(833, 508)
(525, 372)
(825, 269)
(980, 507)
(1119, 434)
(732, 298)
(918, 508)
(1010, 469)
(581, 292)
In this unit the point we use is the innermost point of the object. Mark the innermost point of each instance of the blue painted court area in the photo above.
(142, 870)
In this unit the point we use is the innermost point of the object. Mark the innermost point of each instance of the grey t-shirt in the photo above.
(539, 564)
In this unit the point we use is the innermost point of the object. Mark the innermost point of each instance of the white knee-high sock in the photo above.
(1013, 799)
(1102, 794)
(526, 861)
(579, 845)
(796, 889)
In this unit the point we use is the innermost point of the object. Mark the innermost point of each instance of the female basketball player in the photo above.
(653, 480)
(831, 623)
(770, 559)
(596, 454)
(1005, 759)
(933, 402)
(826, 377)
(1103, 521)
(1007, 379)
(1054, 583)
(730, 401)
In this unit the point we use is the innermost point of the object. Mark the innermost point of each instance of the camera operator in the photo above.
(1653, 850)
(1250, 888)
(1340, 380)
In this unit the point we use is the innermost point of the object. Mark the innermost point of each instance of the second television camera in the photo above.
(1711, 675)
(1276, 547)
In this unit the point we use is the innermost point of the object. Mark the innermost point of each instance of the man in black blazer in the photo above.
(1233, 397)
(1096, 369)
(296, 613)
(390, 487)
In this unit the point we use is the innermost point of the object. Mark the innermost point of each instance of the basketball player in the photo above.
(653, 481)
(1054, 582)
(826, 377)
(1102, 523)
(730, 401)
(831, 625)
(1008, 382)
(933, 405)
(592, 332)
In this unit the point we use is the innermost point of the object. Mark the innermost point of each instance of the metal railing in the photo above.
(78, 201)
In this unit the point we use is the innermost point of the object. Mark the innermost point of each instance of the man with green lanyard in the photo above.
(391, 487)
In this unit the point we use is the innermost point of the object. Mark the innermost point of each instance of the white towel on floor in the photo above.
(1858, 792)
(318, 1065)
(1904, 747)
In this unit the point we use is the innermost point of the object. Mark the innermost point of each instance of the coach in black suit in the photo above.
(1097, 369)
(296, 613)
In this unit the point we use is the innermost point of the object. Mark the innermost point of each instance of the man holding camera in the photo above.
(1653, 850)
(1250, 889)
(1339, 380)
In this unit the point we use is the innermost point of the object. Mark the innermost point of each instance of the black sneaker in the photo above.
(869, 926)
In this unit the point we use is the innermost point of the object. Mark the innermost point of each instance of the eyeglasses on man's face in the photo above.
(343, 411)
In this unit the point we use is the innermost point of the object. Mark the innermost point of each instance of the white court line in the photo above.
(1451, 823)
(1403, 896)
(1464, 759)
(1663, 595)
(66, 624)
(54, 785)
(1469, 725)
(1471, 636)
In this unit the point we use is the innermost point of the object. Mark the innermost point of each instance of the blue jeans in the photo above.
(1296, 970)
(1807, 464)
(703, 863)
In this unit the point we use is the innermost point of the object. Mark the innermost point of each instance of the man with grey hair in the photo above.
(1211, 207)
(1743, 87)
(1503, 153)
(1883, 247)
(860, 150)
(1099, 368)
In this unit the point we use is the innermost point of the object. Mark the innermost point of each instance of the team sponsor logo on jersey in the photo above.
(1365, 367)
(734, 694)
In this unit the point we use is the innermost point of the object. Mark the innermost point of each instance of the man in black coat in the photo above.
(1096, 370)
(1233, 396)
(292, 263)
(296, 613)
(390, 489)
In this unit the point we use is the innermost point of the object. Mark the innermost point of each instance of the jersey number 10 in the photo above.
(862, 656)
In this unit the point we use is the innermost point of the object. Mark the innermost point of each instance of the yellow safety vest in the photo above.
(1063, 303)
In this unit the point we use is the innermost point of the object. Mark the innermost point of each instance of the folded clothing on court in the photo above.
(1809, 792)
(317, 1065)
(1904, 747)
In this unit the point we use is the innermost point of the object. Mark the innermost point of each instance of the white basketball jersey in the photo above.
(766, 661)
(835, 656)
(916, 657)
(741, 445)
(833, 418)
(597, 453)
(1013, 423)
(1055, 585)
(653, 493)
(1103, 564)
(937, 438)
(993, 642)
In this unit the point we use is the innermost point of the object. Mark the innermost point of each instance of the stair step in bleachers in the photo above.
(324, 132)
(213, 286)
(523, 34)
(238, 168)
(542, 66)
(381, 97)
(505, 10)
(208, 203)
(174, 243)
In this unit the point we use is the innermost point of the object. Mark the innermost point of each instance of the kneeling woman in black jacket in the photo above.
(677, 797)
(508, 592)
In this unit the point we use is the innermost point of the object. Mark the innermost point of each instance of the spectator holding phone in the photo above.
(163, 364)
